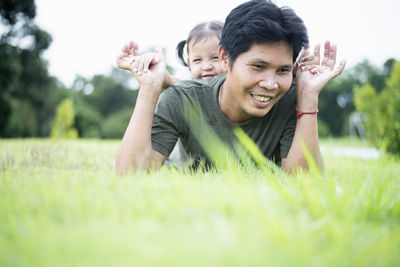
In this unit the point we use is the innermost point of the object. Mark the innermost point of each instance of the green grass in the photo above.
(61, 204)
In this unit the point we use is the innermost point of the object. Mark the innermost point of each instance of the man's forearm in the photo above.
(135, 150)
(306, 133)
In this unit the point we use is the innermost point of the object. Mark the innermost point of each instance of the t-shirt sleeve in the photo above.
(288, 133)
(167, 122)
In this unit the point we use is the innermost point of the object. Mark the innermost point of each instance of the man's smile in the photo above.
(261, 98)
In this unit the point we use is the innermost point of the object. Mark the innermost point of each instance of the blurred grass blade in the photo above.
(312, 166)
(220, 154)
(254, 151)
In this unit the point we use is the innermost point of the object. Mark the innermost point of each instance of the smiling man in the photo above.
(256, 81)
(258, 48)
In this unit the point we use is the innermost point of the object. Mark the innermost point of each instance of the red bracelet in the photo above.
(301, 113)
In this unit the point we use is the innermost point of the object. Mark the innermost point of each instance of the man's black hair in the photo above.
(259, 21)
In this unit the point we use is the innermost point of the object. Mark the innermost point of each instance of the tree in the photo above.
(110, 95)
(336, 103)
(11, 9)
(382, 109)
(63, 126)
(103, 104)
(24, 77)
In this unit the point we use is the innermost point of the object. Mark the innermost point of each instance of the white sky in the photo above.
(88, 34)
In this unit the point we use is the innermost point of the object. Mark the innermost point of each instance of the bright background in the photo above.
(88, 35)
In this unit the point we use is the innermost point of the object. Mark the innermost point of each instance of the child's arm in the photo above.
(130, 59)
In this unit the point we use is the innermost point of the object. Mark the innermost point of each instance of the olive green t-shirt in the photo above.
(273, 133)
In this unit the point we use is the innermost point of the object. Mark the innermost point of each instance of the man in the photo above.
(258, 48)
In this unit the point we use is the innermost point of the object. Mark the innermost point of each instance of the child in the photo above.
(201, 58)
(201, 55)
(202, 50)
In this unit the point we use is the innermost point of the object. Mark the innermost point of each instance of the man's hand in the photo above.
(150, 69)
(311, 80)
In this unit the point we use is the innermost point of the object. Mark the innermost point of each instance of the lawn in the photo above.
(61, 204)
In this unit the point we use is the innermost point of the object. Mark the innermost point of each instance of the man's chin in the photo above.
(259, 112)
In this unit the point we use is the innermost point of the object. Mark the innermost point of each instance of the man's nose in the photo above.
(269, 82)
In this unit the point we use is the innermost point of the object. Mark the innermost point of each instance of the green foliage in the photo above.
(323, 129)
(24, 78)
(10, 66)
(366, 102)
(23, 120)
(382, 111)
(5, 112)
(87, 120)
(103, 104)
(336, 99)
(11, 9)
(63, 126)
(63, 205)
(109, 95)
(114, 125)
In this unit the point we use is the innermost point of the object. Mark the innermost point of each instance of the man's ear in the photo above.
(223, 59)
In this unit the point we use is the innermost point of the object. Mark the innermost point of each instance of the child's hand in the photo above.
(151, 62)
(141, 64)
(305, 62)
(129, 59)
(150, 69)
(126, 57)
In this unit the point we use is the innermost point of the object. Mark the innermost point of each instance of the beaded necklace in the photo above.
(219, 95)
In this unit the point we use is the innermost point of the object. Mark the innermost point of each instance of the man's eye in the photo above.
(257, 67)
(284, 70)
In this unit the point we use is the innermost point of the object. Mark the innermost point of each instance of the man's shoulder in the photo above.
(194, 87)
(195, 83)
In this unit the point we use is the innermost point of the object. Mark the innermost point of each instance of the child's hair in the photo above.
(200, 31)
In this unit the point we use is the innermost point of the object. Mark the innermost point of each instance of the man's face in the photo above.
(256, 81)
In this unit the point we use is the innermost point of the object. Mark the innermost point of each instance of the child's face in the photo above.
(203, 58)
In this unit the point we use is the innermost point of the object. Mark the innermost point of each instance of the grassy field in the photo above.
(61, 204)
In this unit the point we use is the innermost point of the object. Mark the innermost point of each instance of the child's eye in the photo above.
(215, 58)
(196, 60)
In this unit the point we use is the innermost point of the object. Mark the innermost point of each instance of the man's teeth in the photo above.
(261, 98)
